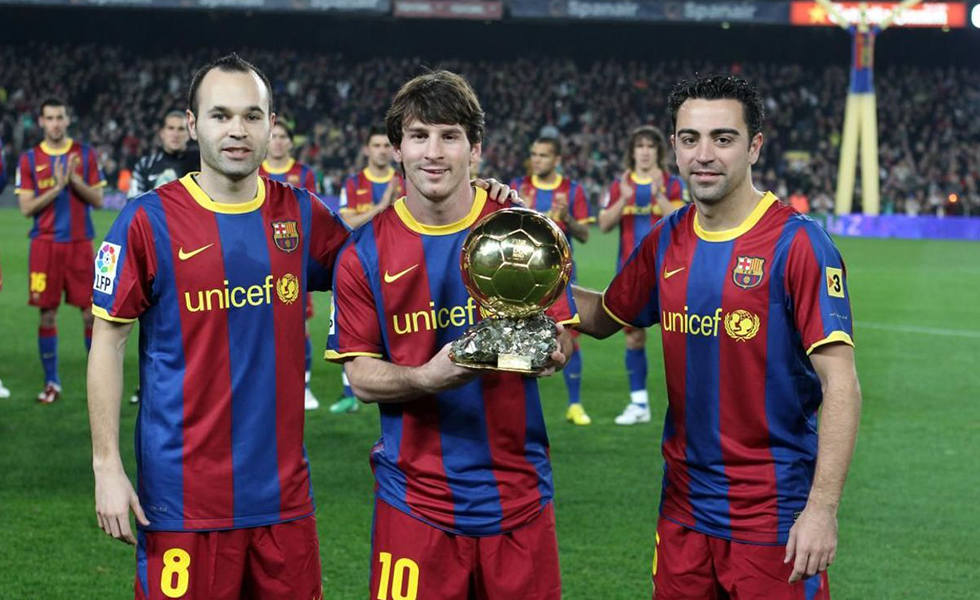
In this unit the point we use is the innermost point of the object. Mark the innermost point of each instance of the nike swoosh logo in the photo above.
(40, 168)
(397, 276)
(185, 255)
(669, 274)
(359, 192)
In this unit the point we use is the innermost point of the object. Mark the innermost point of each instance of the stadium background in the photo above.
(908, 520)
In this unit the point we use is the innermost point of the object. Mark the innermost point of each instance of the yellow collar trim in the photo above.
(730, 234)
(375, 178)
(640, 180)
(207, 203)
(479, 200)
(52, 152)
(273, 171)
(536, 182)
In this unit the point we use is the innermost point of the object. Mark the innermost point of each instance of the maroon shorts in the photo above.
(412, 560)
(689, 565)
(57, 267)
(275, 562)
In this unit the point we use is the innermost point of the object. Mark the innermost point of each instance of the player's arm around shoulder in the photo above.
(114, 493)
(813, 538)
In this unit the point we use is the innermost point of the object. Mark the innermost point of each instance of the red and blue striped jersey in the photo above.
(68, 218)
(363, 190)
(472, 460)
(220, 294)
(641, 210)
(739, 311)
(295, 174)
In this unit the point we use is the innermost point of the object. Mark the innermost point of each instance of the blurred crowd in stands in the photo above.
(929, 119)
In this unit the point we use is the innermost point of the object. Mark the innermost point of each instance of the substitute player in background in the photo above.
(644, 193)
(280, 165)
(58, 183)
(4, 392)
(171, 162)
(756, 324)
(364, 195)
(562, 199)
(463, 481)
(216, 267)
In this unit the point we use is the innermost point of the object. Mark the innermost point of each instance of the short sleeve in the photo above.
(24, 178)
(817, 288)
(310, 182)
(354, 327)
(125, 267)
(327, 236)
(631, 299)
(580, 206)
(93, 171)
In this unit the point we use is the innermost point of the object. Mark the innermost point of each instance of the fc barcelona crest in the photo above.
(285, 235)
(749, 271)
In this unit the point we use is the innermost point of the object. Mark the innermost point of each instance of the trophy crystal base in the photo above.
(522, 345)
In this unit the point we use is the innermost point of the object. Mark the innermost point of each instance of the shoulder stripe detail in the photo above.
(836, 336)
(101, 313)
(611, 314)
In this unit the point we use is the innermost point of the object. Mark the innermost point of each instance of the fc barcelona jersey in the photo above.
(472, 460)
(68, 218)
(363, 190)
(220, 293)
(739, 312)
(294, 173)
(641, 210)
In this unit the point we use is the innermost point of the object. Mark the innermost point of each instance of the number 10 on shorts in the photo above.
(403, 578)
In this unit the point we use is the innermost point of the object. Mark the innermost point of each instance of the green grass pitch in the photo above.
(909, 524)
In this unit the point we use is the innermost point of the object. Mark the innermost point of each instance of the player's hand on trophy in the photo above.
(498, 192)
(441, 374)
(559, 358)
(114, 498)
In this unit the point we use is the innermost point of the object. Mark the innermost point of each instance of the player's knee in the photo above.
(636, 339)
(49, 317)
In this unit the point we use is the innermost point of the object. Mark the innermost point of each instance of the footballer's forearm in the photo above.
(609, 217)
(105, 373)
(30, 204)
(579, 230)
(839, 418)
(376, 380)
(593, 319)
(90, 194)
(355, 220)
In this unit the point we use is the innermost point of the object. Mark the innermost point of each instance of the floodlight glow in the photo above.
(975, 16)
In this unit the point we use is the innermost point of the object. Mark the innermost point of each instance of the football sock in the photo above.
(636, 369)
(573, 376)
(639, 398)
(348, 393)
(47, 346)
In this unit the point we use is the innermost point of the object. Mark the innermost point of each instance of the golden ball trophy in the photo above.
(515, 264)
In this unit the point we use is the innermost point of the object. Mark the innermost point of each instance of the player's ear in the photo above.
(755, 148)
(192, 125)
(673, 143)
(396, 151)
(476, 151)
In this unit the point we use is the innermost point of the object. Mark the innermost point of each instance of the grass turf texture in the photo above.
(908, 521)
